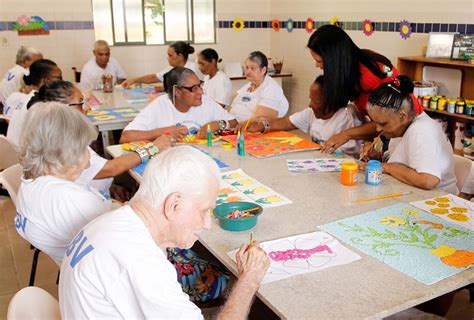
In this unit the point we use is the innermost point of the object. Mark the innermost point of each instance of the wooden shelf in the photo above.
(438, 61)
(456, 116)
(276, 75)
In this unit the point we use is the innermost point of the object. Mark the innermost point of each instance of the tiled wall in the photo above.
(71, 38)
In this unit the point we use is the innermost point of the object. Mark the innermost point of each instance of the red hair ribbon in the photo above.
(416, 104)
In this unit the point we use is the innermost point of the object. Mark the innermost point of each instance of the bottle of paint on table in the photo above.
(349, 173)
(209, 136)
(241, 145)
(373, 173)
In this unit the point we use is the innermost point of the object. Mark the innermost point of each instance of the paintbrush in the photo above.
(377, 141)
(250, 117)
(250, 238)
(385, 196)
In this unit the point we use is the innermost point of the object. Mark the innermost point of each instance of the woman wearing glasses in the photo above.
(41, 72)
(101, 171)
(419, 153)
(262, 97)
(184, 109)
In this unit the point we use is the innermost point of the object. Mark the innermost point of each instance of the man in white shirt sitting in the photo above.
(116, 267)
(101, 64)
(12, 80)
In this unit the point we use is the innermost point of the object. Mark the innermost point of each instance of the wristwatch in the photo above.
(147, 152)
(223, 124)
(143, 154)
(266, 125)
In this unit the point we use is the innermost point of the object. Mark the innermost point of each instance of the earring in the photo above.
(174, 95)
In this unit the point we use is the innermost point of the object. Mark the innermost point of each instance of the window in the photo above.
(148, 22)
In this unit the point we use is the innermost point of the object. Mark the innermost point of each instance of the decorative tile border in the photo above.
(226, 24)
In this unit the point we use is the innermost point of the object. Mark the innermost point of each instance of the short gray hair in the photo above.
(55, 138)
(25, 53)
(100, 43)
(181, 169)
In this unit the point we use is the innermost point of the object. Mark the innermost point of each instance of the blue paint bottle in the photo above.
(373, 173)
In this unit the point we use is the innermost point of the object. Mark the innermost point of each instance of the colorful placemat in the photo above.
(450, 208)
(315, 165)
(417, 243)
(192, 139)
(301, 254)
(112, 114)
(236, 185)
(273, 143)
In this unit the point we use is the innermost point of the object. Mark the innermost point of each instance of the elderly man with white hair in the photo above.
(116, 266)
(11, 81)
(100, 64)
(51, 207)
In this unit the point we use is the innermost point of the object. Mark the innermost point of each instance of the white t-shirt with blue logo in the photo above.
(11, 82)
(51, 211)
(113, 269)
(162, 113)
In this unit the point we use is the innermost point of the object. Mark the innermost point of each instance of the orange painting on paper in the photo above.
(273, 143)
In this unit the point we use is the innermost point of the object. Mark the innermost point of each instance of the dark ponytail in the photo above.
(210, 54)
(183, 48)
(59, 91)
(392, 95)
(39, 70)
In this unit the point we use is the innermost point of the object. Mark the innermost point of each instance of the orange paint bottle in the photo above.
(349, 173)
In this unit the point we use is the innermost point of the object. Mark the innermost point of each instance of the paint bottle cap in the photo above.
(227, 145)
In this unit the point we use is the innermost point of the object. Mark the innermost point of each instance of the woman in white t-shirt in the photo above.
(217, 84)
(100, 173)
(183, 110)
(51, 207)
(178, 54)
(419, 154)
(319, 119)
(262, 97)
(42, 71)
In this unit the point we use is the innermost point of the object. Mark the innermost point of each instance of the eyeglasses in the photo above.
(194, 88)
(76, 104)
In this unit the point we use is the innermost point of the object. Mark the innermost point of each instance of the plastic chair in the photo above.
(8, 156)
(462, 167)
(33, 303)
(77, 75)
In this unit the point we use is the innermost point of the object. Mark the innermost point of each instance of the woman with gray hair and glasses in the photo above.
(51, 207)
(101, 171)
(262, 97)
(183, 110)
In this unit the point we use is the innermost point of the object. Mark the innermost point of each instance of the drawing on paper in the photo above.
(315, 165)
(303, 254)
(111, 114)
(410, 240)
(238, 186)
(273, 143)
(450, 207)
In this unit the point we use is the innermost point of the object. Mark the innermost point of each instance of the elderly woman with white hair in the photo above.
(51, 207)
(12, 80)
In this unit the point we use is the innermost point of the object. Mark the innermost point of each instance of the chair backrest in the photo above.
(33, 303)
(77, 75)
(8, 155)
(10, 178)
(462, 167)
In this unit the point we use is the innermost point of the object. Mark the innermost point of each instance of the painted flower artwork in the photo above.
(30, 25)
(405, 29)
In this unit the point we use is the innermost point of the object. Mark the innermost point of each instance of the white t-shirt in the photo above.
(51, 211)
(219, 88)
(14, 102)
(321, 130)
(91, 73)
(162, 113)
(424, 147)
(114, 269)
(469, 184)
(11, 82)
(189, 64)
(268, 94)
(87, 176)
(17, 121)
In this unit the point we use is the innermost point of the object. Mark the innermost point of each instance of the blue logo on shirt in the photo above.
(79, 253)
(20, 222)
(9, 76)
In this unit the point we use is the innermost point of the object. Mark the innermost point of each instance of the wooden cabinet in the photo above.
(413, 67)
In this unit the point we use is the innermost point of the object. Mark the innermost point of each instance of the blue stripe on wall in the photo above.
(256, 24)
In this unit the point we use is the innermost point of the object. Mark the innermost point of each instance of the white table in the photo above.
(366, 288)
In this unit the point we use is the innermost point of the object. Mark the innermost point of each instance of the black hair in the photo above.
(210, 54)
(341, 61)
(319, 81)
(392, 95)
(183, 48)
(259, 58)
(58, 90)
(175, 77)
(39, 70)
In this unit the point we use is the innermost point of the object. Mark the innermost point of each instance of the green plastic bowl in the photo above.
(237, 224)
